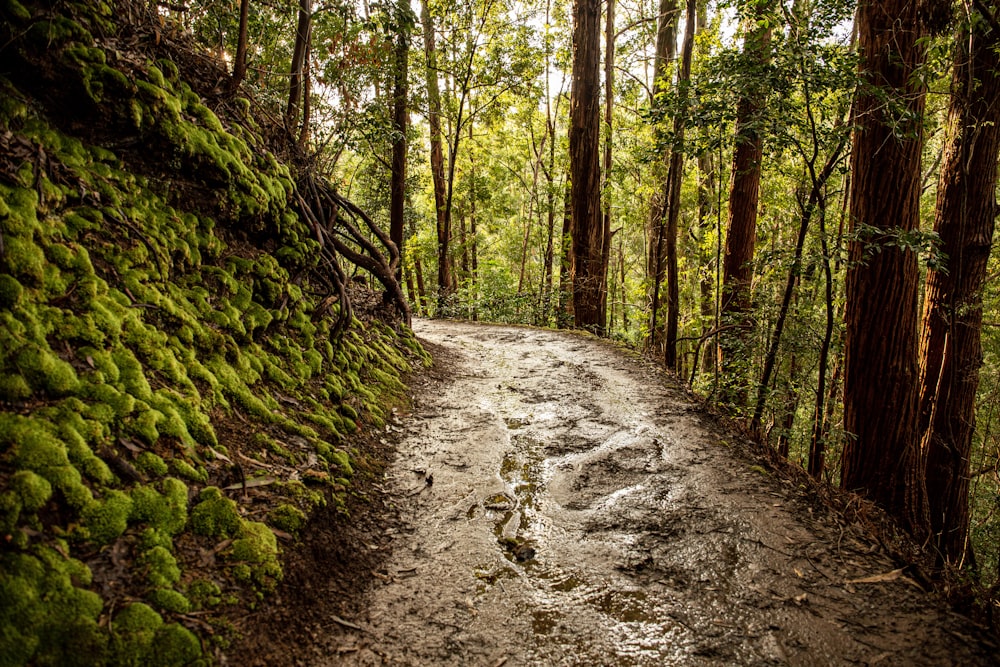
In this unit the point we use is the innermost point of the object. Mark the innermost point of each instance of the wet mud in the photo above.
(562, 502)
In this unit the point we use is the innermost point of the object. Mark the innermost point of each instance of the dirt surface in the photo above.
(559, 501)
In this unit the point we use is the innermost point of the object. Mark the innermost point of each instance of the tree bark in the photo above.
(437, 158)
(609, 105)
(881, 458)
(240, 62)
(565, 313)
(673, 187)
(587, 231)
(951, 352)
(666, 47)
(743, 199)
(397, 180)
(299, 55)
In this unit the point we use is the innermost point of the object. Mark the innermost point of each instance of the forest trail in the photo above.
(563, 503)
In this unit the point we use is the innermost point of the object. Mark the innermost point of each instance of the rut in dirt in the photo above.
(565, 503)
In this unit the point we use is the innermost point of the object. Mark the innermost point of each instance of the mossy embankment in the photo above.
(172, 399)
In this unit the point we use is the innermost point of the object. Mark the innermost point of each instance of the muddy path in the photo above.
(562, 503)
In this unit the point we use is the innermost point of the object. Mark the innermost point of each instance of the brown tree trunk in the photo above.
(609, 101)
(881, 458)
(951, 353)
(587, 231)
(706, 210)
(673, 190)
(240, 62)
(437, 158)
(789, 407)
(299, 55)
(666, 47)
(817, 441)
(418, 273)
(565, 313)
(397, 179)
(744, 192)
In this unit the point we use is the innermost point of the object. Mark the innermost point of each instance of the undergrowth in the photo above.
(163, 356)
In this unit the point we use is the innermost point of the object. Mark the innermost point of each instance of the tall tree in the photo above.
(240, 61)
(744, 193)
(584, 151)
(397, 181)
(299, 70)
(609, 107)
(951, 353)
(672, 194)
(437, 157)
(666, 51)
(881, 458)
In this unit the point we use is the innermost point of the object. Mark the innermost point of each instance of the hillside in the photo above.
(181, 386)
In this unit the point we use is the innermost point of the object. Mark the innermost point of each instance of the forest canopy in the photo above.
(791, 203)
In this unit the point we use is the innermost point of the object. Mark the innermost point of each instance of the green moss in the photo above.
(204, 594)
(174, 645)
(170, 600)
(215, 515)
(16, 10)
(132, 633)
(36, 448)
(165, 512)
(10, 512)
(287, 518)
(10, 291)
(13, 387)
(182, 468)
(151, 464)
(33, 490)
(106, 519)
(160, 567)
(45, 618)
(46, 372)
(257, 548)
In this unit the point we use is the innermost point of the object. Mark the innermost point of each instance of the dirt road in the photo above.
(564, 504)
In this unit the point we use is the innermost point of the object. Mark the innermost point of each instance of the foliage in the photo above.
(150, 299)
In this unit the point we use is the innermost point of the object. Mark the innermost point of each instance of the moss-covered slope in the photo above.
(164, 357)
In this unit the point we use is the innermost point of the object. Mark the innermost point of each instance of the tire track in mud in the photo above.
(564, 504)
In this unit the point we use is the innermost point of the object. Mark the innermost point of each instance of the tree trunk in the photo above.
(743, 197)
(951, 353)
(299, 55)
(817, 441)
(706, 209)
(306, 94)
(789, 408)
(666, 46)
(565, 314)
(673, 190)
(881, 458)
(418, 273)
(587, 231)
(609, 105)
(240, 62)
(437, 158)
(397, 180)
